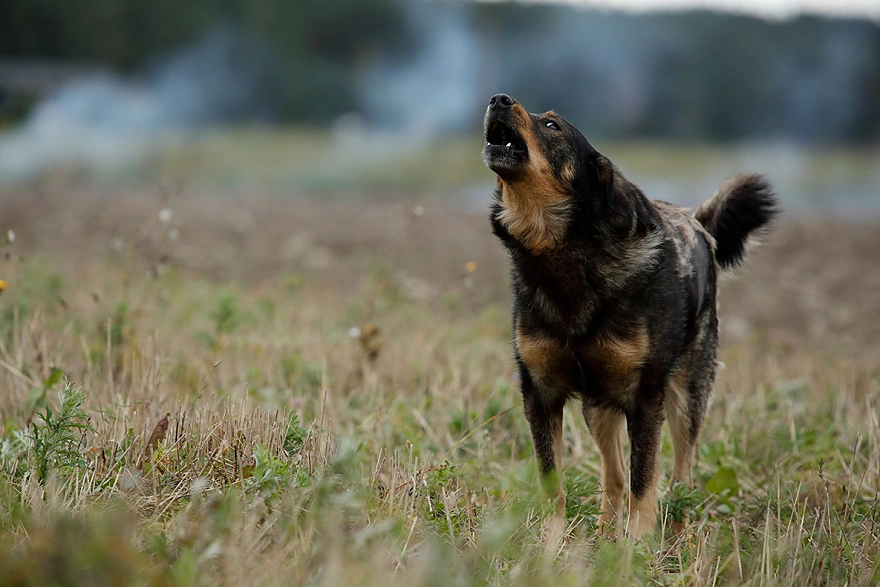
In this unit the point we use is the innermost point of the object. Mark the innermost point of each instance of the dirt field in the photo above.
(812, 281)
(342, 408)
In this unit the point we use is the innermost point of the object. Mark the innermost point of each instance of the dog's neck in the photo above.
(535, 213)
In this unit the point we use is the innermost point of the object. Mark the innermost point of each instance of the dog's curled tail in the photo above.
(742, 205)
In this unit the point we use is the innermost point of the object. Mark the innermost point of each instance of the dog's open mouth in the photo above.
(505, 149)
(501, 135)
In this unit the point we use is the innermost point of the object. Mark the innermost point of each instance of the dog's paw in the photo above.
(554, 531)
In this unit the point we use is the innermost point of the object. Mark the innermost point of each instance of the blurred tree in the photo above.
(322, 42)
(317, 44)
(120, 33)
(684, 75)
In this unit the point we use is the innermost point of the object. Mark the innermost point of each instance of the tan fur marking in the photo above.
(622, 359)
(607, 427)
(626, 355)
(675, 406)
(537, 352)
(569, 172)
(606, 171)
(643, 511)
(535, 205)
(541, 356)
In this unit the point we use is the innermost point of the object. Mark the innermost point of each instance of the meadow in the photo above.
(207, 388)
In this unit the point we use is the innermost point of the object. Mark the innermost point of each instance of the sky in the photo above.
(771, 9)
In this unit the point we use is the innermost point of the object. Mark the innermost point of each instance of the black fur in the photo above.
(614, 295)
(741, 206)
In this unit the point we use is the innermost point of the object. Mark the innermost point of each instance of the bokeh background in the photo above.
(339, 95)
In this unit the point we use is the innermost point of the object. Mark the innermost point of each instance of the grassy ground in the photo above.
(207, 390)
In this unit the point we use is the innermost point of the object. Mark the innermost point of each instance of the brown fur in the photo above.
(621, 358)
(607, 427)
(542, 352)
(675, 408)
(534, 205)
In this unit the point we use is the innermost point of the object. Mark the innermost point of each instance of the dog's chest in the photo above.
(601, 366)
(558, 296)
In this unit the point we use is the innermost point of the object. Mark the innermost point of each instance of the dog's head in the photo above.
(544, 159)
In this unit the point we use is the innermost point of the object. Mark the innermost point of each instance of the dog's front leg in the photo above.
(607, 426)
(544, 414)
(643, 424)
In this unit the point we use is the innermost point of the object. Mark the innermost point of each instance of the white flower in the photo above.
(198, 486)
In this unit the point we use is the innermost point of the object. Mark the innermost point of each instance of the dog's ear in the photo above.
(605, 185)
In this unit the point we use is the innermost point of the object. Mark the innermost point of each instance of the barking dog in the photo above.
(614, 299)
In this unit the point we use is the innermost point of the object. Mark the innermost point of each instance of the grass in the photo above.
(162, 425)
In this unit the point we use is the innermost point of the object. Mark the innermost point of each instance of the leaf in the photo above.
(295, 436)
(54, 377)
(156, 436)
(724, 483)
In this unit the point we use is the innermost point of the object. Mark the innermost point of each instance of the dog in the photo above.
(614, 300)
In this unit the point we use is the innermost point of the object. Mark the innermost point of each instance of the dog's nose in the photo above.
(500, 102)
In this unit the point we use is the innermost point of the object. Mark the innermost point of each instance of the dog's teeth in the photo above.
(508, 145)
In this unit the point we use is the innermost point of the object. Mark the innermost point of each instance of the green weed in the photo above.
(54, 442)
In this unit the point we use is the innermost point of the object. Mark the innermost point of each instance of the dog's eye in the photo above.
(553, 125)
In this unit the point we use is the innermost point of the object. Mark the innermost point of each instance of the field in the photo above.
(216, 389)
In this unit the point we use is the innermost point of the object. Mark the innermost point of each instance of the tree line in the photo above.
(687, 75)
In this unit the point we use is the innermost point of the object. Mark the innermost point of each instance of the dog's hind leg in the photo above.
(678, 407)
(685, 405)
(684, 438)
(606, 426)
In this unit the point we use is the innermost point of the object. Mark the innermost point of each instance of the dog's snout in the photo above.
(500, 102)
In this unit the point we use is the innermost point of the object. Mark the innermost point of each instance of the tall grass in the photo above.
(159, 429)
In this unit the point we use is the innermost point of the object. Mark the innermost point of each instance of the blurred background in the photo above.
(334, 145)
(364, 97)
